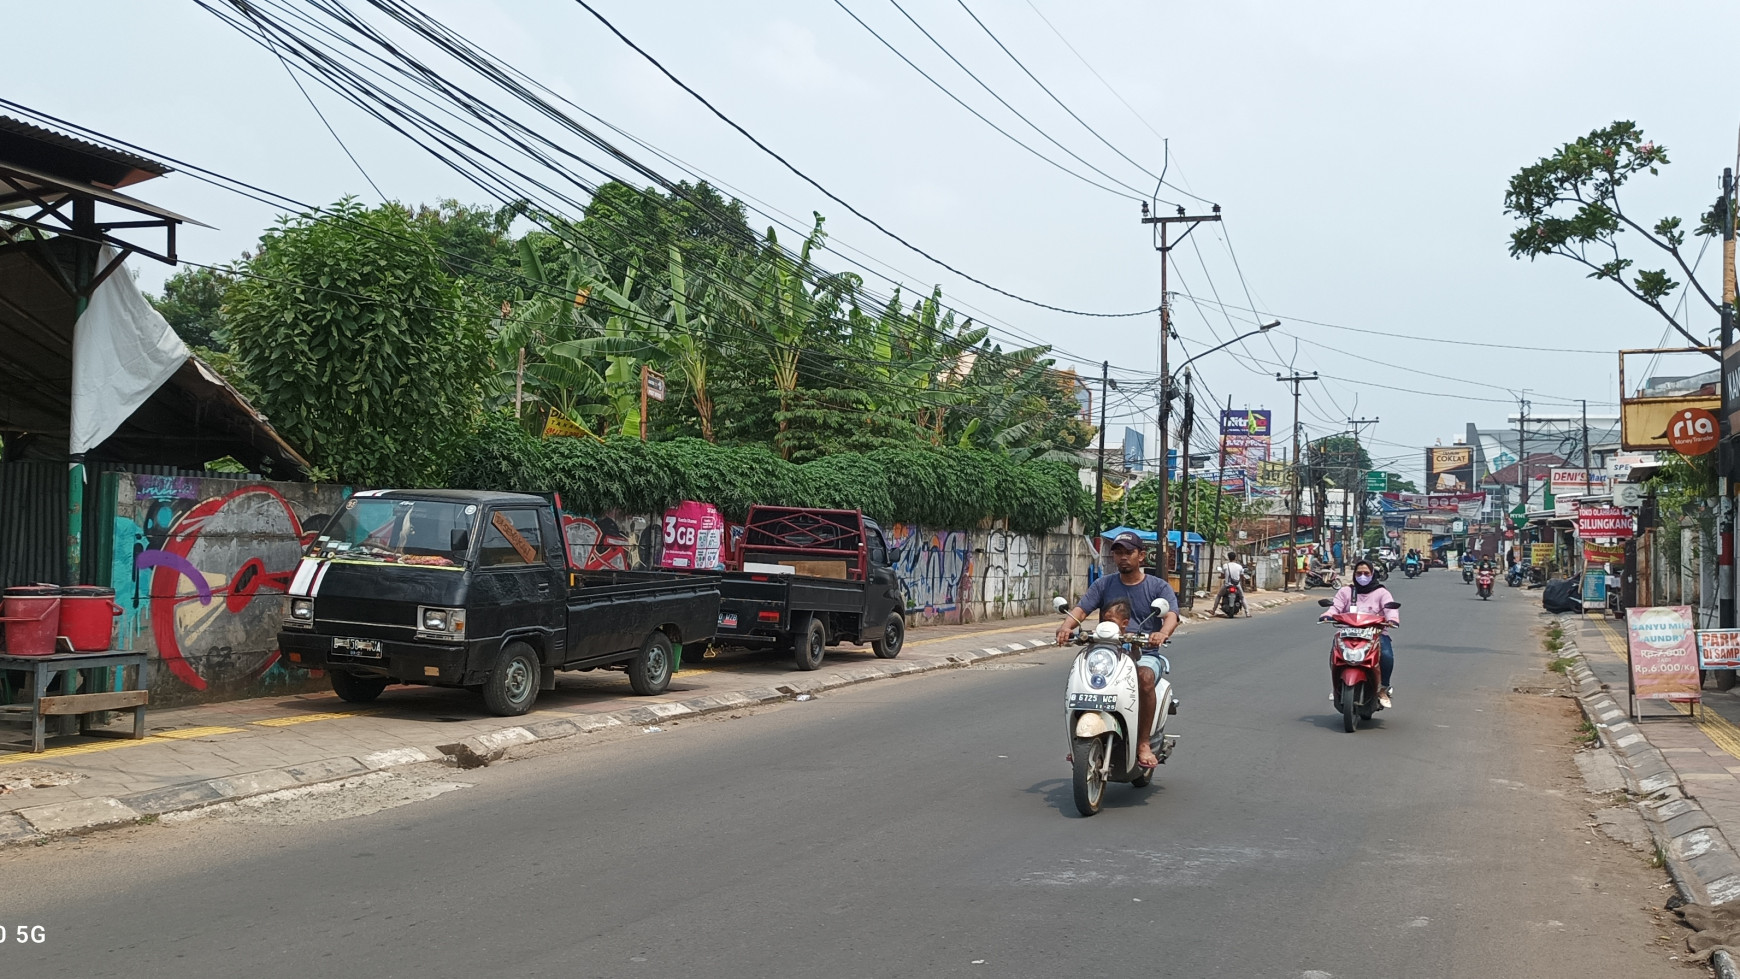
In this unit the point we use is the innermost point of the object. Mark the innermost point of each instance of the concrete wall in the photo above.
(953, 576)
(201, 568)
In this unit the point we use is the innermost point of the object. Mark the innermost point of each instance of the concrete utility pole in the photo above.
(1220, 487)
(1587, 472)
(1522, 476)
(1357, 424)
(1725, 616)
(1293, 533)
(1165, 249)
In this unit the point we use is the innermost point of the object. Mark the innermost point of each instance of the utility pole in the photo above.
(1220, 487)
(1293, 534)
(1725, 617)
(1187, 598)
(1588, 476)
(1522, 475)
(1357, 424)
(1165, 249)
(1100, 481)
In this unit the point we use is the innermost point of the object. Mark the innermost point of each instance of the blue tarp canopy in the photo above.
(1148, 535)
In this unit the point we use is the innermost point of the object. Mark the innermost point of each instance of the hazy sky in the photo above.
(1360, 151)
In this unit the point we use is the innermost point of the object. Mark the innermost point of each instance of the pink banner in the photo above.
(1719, 649)
(1602, 521)
(692, 536)
(1664, 653)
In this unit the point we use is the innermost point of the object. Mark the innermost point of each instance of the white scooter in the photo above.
(1104, 702)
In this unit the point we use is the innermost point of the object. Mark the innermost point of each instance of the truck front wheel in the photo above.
(353, 689)
(893, 637)
(649, 672)
(513, 684)
(810, 647)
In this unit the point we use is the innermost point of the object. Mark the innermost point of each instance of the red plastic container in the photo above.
(32, 619)
(87, 617)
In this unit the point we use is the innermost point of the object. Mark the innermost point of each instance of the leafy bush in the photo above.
(936, 487)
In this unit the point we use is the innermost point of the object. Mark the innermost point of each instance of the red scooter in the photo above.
(1483, 583)
(1355, 663)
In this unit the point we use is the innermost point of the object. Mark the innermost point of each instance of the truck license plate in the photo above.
(357, 647)
(1093, 701)
(727, 620)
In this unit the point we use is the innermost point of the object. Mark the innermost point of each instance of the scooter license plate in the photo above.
(1093, 701)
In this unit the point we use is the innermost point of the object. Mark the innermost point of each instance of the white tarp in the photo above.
(123, 351)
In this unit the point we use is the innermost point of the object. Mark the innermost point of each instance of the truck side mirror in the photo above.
(459, 541)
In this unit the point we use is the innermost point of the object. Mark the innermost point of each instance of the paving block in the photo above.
(1655, 783)
(667, 711)
(1686, 821)
(802, 685)
(1715, 865)
(1723, 890)
(82, 814)
(325, 769)
(14, 827)
(588, 723)
(172, 798)
(392, 757)
(1668, 810)
(1694, 844)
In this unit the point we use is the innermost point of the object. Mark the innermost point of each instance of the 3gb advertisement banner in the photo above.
(1449, 469)
(693, 534)
(1664, 653)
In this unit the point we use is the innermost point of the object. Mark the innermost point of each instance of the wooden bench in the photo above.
(39, 707)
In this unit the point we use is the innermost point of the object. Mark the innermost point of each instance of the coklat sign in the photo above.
(1602, 521)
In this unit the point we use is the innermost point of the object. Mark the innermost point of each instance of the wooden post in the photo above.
(643, 372)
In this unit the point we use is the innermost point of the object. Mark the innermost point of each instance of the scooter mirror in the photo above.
(1059, 603)
(1392, 605)
(1161, 606)
(1325, 602)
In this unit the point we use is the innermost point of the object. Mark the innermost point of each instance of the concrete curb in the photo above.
(1703, 865)
(41, 823)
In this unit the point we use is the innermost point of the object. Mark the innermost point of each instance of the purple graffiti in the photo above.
(180, 565)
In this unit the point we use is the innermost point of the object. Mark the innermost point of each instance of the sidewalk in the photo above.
(210, 753)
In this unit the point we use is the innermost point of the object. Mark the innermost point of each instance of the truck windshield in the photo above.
(383, 531)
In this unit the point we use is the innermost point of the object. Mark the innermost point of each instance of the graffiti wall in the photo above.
(201, 568)
(953, 576)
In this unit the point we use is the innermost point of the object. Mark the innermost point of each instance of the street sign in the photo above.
(1377, 482)
(1459, 526)
(655, 385)
(1519, 515)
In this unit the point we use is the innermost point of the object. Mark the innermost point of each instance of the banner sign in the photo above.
(1438, 501)
(1135, 449)
(1603, 521)
(693, 534)
(1243, 451)
(1596, 555)
(1664, 654)
(1244, 422)
(1620, 466)
(1719, 649)
(1540, 555)
(1594, 589)
(1449, 470)
(1395, 521)
(1570, 482)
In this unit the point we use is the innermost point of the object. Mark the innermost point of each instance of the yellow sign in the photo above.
(1113, 492)
(1540, 555)
(1644, 422)
(562, 427)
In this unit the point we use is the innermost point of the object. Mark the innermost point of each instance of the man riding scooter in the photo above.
(1135, 586)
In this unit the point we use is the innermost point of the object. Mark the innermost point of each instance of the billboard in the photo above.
(1135, 449)
(1449, 469)
(1246, 422)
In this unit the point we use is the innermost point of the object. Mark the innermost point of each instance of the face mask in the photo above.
(1362, 580)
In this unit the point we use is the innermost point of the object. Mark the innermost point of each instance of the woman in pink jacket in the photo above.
(1366, 595)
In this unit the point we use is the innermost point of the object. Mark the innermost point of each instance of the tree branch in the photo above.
(1647, 302)
(1671, 250)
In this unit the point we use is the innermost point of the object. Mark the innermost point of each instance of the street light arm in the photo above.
(1254, 333)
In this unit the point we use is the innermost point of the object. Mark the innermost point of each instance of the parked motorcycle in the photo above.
(1232, 601)
(1355, 663)
(1483, 583)
(1514, 576)
(1103, 698)
(1324, 577)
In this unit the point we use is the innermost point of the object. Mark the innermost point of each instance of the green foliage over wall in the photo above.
(939, 487)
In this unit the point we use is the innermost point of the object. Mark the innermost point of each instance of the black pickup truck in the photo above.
(459, 588)
(806, 579)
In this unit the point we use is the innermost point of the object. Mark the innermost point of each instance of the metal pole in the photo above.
(1587, 473)
(1220, 487)
(1725, 614)
(1160, 508)
(1184, 433)
(1100, 481)
(1293, 534)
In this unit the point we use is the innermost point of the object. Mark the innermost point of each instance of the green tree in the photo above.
(627, 226)
(1567, 204)
(475, 246)
(364, 353)
(192, 302)
(1336, 460)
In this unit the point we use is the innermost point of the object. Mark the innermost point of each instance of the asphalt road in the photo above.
(923, 827)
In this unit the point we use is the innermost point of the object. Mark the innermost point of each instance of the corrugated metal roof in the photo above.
(68, 156)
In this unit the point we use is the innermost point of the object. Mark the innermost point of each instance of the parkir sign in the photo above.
(1693, 431)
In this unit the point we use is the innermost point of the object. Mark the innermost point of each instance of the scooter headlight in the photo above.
(1353, 654)
(1101, 662)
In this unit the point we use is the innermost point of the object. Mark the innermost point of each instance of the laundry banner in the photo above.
(1664, 654)
(1602, 521)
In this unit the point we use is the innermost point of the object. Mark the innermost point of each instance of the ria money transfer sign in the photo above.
(1449, 469)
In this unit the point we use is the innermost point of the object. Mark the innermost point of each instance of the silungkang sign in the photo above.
(1602, 521)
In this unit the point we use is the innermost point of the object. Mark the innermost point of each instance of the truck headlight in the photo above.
(441, 621)
(302, 610)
